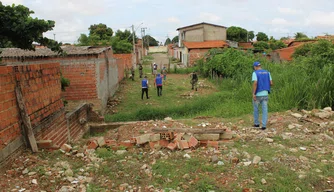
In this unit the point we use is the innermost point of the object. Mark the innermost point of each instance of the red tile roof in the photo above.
(205, 44)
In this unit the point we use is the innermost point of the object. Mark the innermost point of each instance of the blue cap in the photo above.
(256, 64)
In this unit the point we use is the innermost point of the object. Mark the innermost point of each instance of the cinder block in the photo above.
(143, 139)
(155, 137)
(207, 137)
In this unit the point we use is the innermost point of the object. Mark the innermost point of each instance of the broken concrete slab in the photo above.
(226, 136)
(101, 141)
(143, 139)
(209, 137)
(154, 137)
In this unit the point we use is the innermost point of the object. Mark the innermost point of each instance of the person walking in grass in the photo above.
(194, 80)
(262, 82)
(144, 88)
(158, 84)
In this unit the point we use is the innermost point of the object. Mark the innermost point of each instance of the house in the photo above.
(285, 54)
(195, 40)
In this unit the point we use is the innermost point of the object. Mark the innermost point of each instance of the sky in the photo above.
(279, 18)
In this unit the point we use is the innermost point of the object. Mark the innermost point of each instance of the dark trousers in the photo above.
(159, 90)
(144, 90)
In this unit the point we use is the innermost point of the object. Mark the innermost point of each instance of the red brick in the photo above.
(172, 146)
(126, 144)
(154, 145)
(92, 144)
(110, 143)
(193, 142)
(182, 144)
(163, 143)
(214, 144)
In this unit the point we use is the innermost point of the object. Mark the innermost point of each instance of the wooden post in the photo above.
(25, 119)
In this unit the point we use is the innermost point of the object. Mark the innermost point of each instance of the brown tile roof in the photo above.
(46, 52)
(205, 44)
(329, 37)
(246, 45)
(203, 23)
(295, 43)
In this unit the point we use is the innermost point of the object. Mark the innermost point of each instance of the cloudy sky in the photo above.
(162, 18)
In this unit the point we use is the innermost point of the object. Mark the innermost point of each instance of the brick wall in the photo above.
(83, 81)
(195, 54)
(9, 114)
(125, 59)
(41, 91)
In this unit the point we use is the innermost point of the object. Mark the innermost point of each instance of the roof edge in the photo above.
(203, 23)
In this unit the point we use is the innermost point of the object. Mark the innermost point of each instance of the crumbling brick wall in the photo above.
(41, 91)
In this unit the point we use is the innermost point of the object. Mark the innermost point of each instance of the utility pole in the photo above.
(143, 41)
(134, 47)
(54, 36)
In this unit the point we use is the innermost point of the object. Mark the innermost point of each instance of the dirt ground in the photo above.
(300, 148)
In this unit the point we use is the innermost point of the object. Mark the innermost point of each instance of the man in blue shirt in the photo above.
(144, 88)
(262, 82)
(158, 83)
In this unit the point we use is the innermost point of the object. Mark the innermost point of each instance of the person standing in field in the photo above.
(155, 69)
(132, 73)
(140, 70)
(144, 88)
(158, 84)
(262, 82)
(194, 80)
(164, 72)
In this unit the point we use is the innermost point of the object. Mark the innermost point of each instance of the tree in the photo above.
(151, 41)
(126, 35)
(284, 38)
(19, 29)
(101, 30)
(261, 45)
(277, 45)
(251, 35)
(168, 41)
(236, 34)
(175, 39)
(300, 35)
(121, 46)
(261, 36)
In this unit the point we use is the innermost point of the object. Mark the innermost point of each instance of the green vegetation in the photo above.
(20, 29)
(305, 83)
(239, 34)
